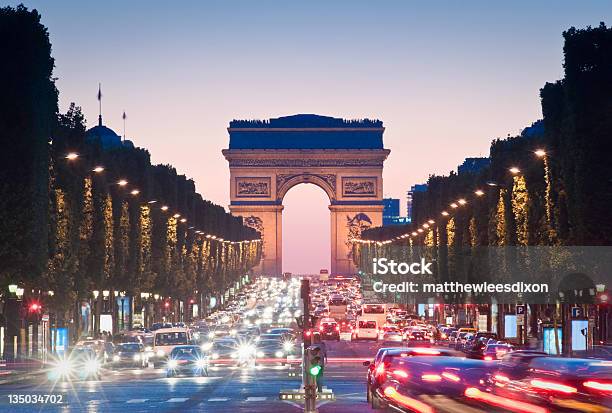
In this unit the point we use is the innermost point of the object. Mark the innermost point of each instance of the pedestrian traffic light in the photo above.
(314, 360)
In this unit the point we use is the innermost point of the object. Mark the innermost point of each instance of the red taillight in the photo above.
(488, 358)
(380, 369)
(550, 385)
(595, 385)
(426, 351)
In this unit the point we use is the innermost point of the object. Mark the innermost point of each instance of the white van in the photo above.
(366, 329)
(166, 339)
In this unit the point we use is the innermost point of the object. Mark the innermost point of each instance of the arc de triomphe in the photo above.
(344, 158)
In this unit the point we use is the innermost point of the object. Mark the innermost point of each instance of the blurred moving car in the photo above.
(559, 383)
(130, 354)
(187, 360)
(387, 369)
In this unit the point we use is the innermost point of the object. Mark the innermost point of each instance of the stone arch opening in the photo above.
(306, 243)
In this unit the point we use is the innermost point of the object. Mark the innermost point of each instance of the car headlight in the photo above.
(116, 358)
(160, 353)
(234, 355)
(279, 354)
(246, 350)
(136, 357)
(172, 364)
(92, 366)
(201, 363)
(63, 367)
(206, 346)
(233, 332)
(288, 346)
(215, 355)
(260, 354)
(211, 334)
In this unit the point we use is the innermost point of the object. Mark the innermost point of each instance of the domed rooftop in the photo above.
(106, 136)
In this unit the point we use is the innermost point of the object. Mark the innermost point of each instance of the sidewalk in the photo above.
(13, 372)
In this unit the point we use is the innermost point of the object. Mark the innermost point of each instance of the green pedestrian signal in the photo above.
(313, 358)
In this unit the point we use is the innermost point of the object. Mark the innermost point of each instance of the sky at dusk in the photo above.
(445, 78)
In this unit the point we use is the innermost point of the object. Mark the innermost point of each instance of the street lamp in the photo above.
(122, 182)
(72, 156)
(105, 293)
(462, 201)
(96, 293)
(444, 213)
(98, 169)
(156, 296)
(12, 288)
(479, 192)
(514, 170)
(50, 293)
(164, 208)
(135, 192)
(19, 292)
(540, 153)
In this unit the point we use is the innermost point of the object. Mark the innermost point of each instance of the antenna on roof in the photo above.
(124, 118)
(100, 104)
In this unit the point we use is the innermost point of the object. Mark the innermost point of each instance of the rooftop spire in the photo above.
(100, 104)
(124, 118)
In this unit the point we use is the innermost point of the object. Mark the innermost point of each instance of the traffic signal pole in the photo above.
(308, 380)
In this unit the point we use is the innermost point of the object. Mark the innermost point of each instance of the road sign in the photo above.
(520, 309)
(577, 312)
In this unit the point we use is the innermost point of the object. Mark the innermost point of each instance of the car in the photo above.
(83, 363)
(494, 351)
(366, 329)
(379, 367)
(559, 383)
(229, 351)
(430, 375)
(164, 341)
(329, 329)
(273, 351)
(392, 337)
(130, 354)
(187, 360)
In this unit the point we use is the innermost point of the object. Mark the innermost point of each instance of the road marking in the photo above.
(218, 399)
(446, 404)
(256, 399)
(177, 400)
(137, 400)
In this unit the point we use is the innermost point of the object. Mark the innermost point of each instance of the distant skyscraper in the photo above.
(391, 212)
(409, 197)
